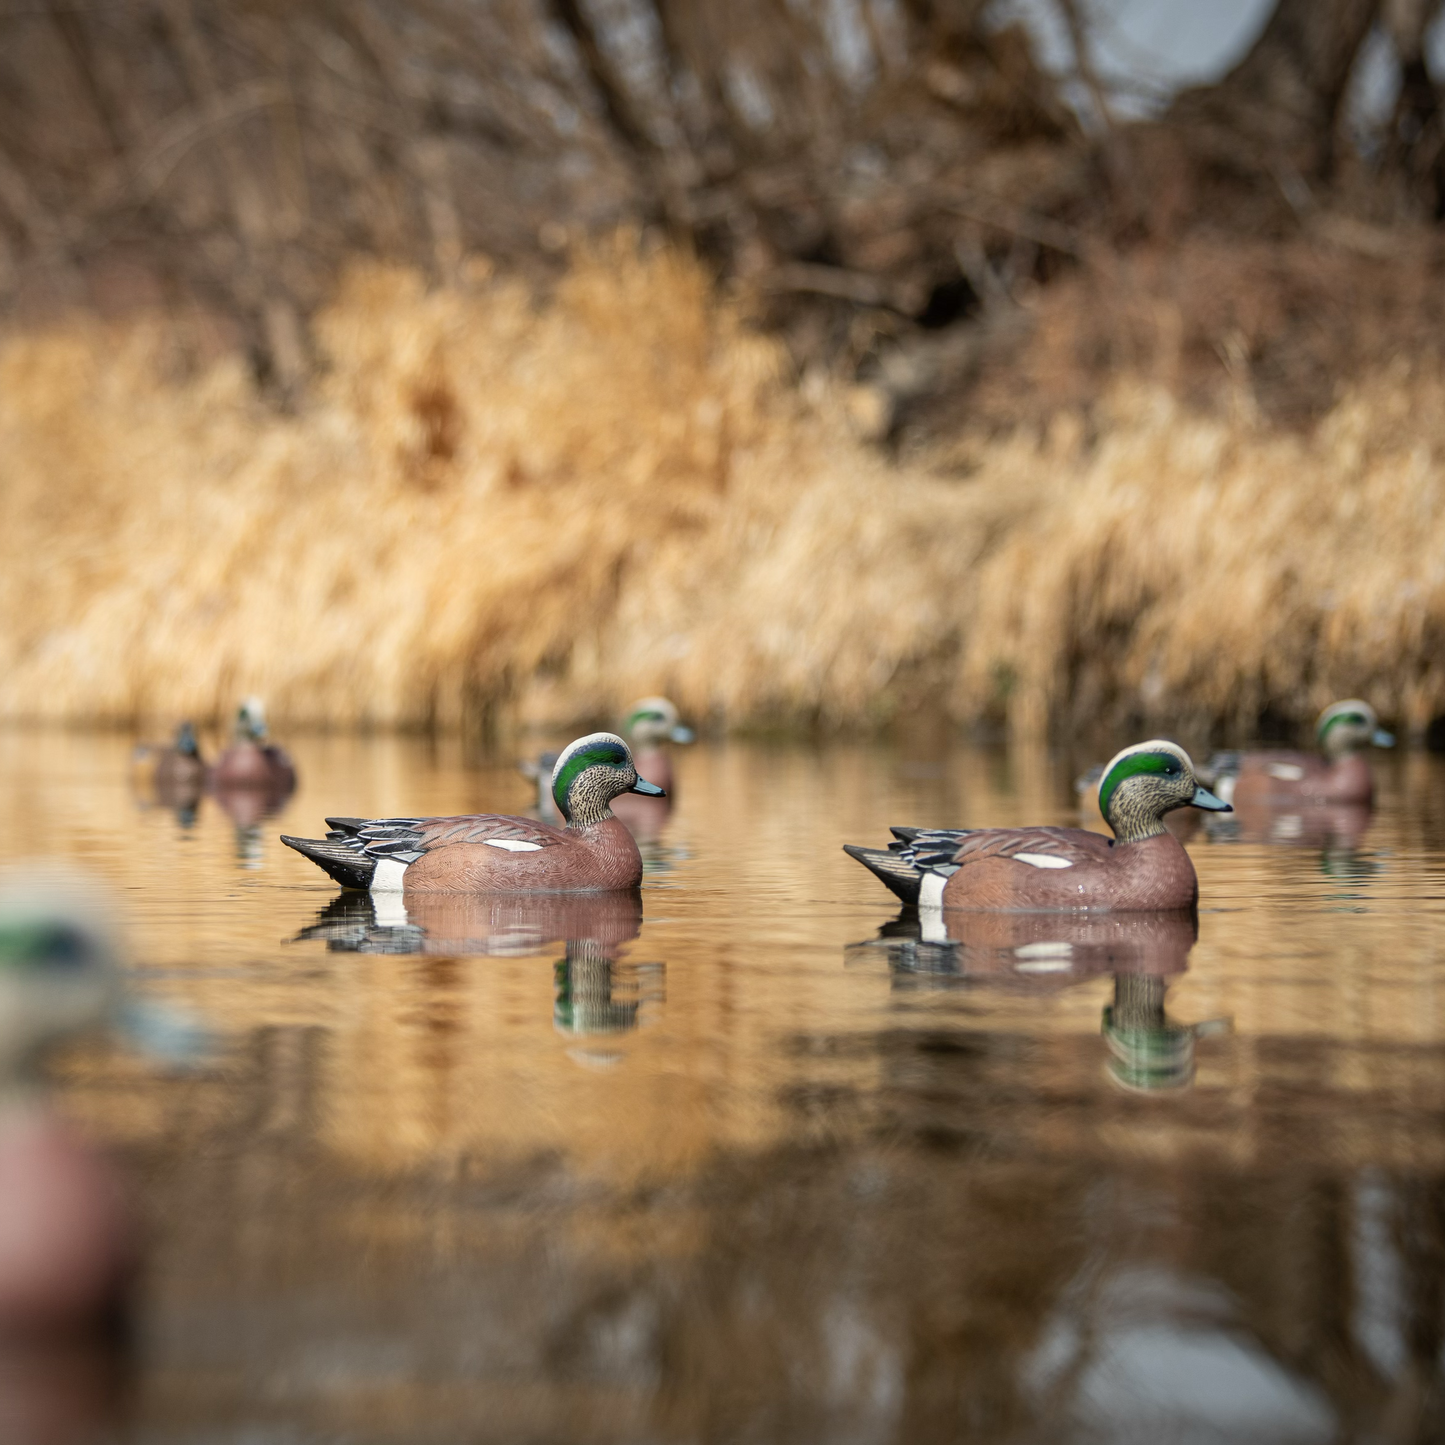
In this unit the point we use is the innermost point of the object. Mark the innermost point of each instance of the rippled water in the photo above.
(754, 1160)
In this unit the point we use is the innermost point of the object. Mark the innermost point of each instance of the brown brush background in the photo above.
(392, 367)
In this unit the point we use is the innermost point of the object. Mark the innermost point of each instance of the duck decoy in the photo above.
(1144, 867)
(1338, 773)
(250, 761)
(172, 777)
(494, 853)
(65, 1232)
(650, 725)
(180, 767)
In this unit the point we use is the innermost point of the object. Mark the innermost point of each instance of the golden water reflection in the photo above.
(763, 1159)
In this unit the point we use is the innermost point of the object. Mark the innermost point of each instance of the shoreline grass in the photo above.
(495, 506)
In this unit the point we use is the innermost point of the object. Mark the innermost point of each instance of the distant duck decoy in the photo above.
(494, 853)
(180, 766)
(175, 776)
(250, 761)
(1144, 868)
(650, 725)
(1338, 773)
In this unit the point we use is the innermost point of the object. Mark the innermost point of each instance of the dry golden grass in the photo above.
(549, 508)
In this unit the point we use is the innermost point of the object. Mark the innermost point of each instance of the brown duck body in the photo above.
(1092, 872)
(175, 771)
(248, 764)
(1287, 777)
(479, 853)
(458, 859)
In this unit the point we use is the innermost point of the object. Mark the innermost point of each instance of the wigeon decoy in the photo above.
(66, 1245)
(251, 761)
(494, 853)
(1144, 867)
(179, 767)
(650, 726)
(1338, 773)
(175, 776)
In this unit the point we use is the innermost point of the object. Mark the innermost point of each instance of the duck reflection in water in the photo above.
(594, 994)
(1043, 952)
(248, 807)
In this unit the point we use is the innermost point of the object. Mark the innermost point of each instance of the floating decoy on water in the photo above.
(173, 777)
(493, 853)
(179, 767)
(65, 1242)
(650, 725)
(250, 761)
(1338, 773)
(1144, 867)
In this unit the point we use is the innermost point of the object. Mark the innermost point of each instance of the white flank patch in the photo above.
(931, 927)
(1224, 788)
(513, 845)
(930, 908)
(388, 876)
(1044, 957)
(930, 890)
(1286, 772)
(390, 908)
(1041, 860)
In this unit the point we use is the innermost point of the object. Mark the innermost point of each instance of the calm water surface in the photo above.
(755, 1159)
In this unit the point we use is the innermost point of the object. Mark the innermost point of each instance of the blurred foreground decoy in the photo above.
(1338, 773)
(250, 761)
(65, 1237)
(494, 853)
(1143, 868)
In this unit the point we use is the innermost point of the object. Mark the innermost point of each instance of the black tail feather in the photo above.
(348, 867)
(891, 869)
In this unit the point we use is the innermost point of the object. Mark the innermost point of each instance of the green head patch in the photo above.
(644, 715)
(1129, 765)
(40, 943)
(1351, 715)
(598, 750)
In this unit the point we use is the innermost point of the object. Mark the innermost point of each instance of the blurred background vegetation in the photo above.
(818, 362)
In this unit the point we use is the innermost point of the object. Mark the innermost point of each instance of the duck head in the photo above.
(186, 743)
(1349, 727)
(589, 773)
(653, 721)
(1143, 783)
(251, 721)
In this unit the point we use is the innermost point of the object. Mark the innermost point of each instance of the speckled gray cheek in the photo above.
(1137, 809)
(589, 800)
